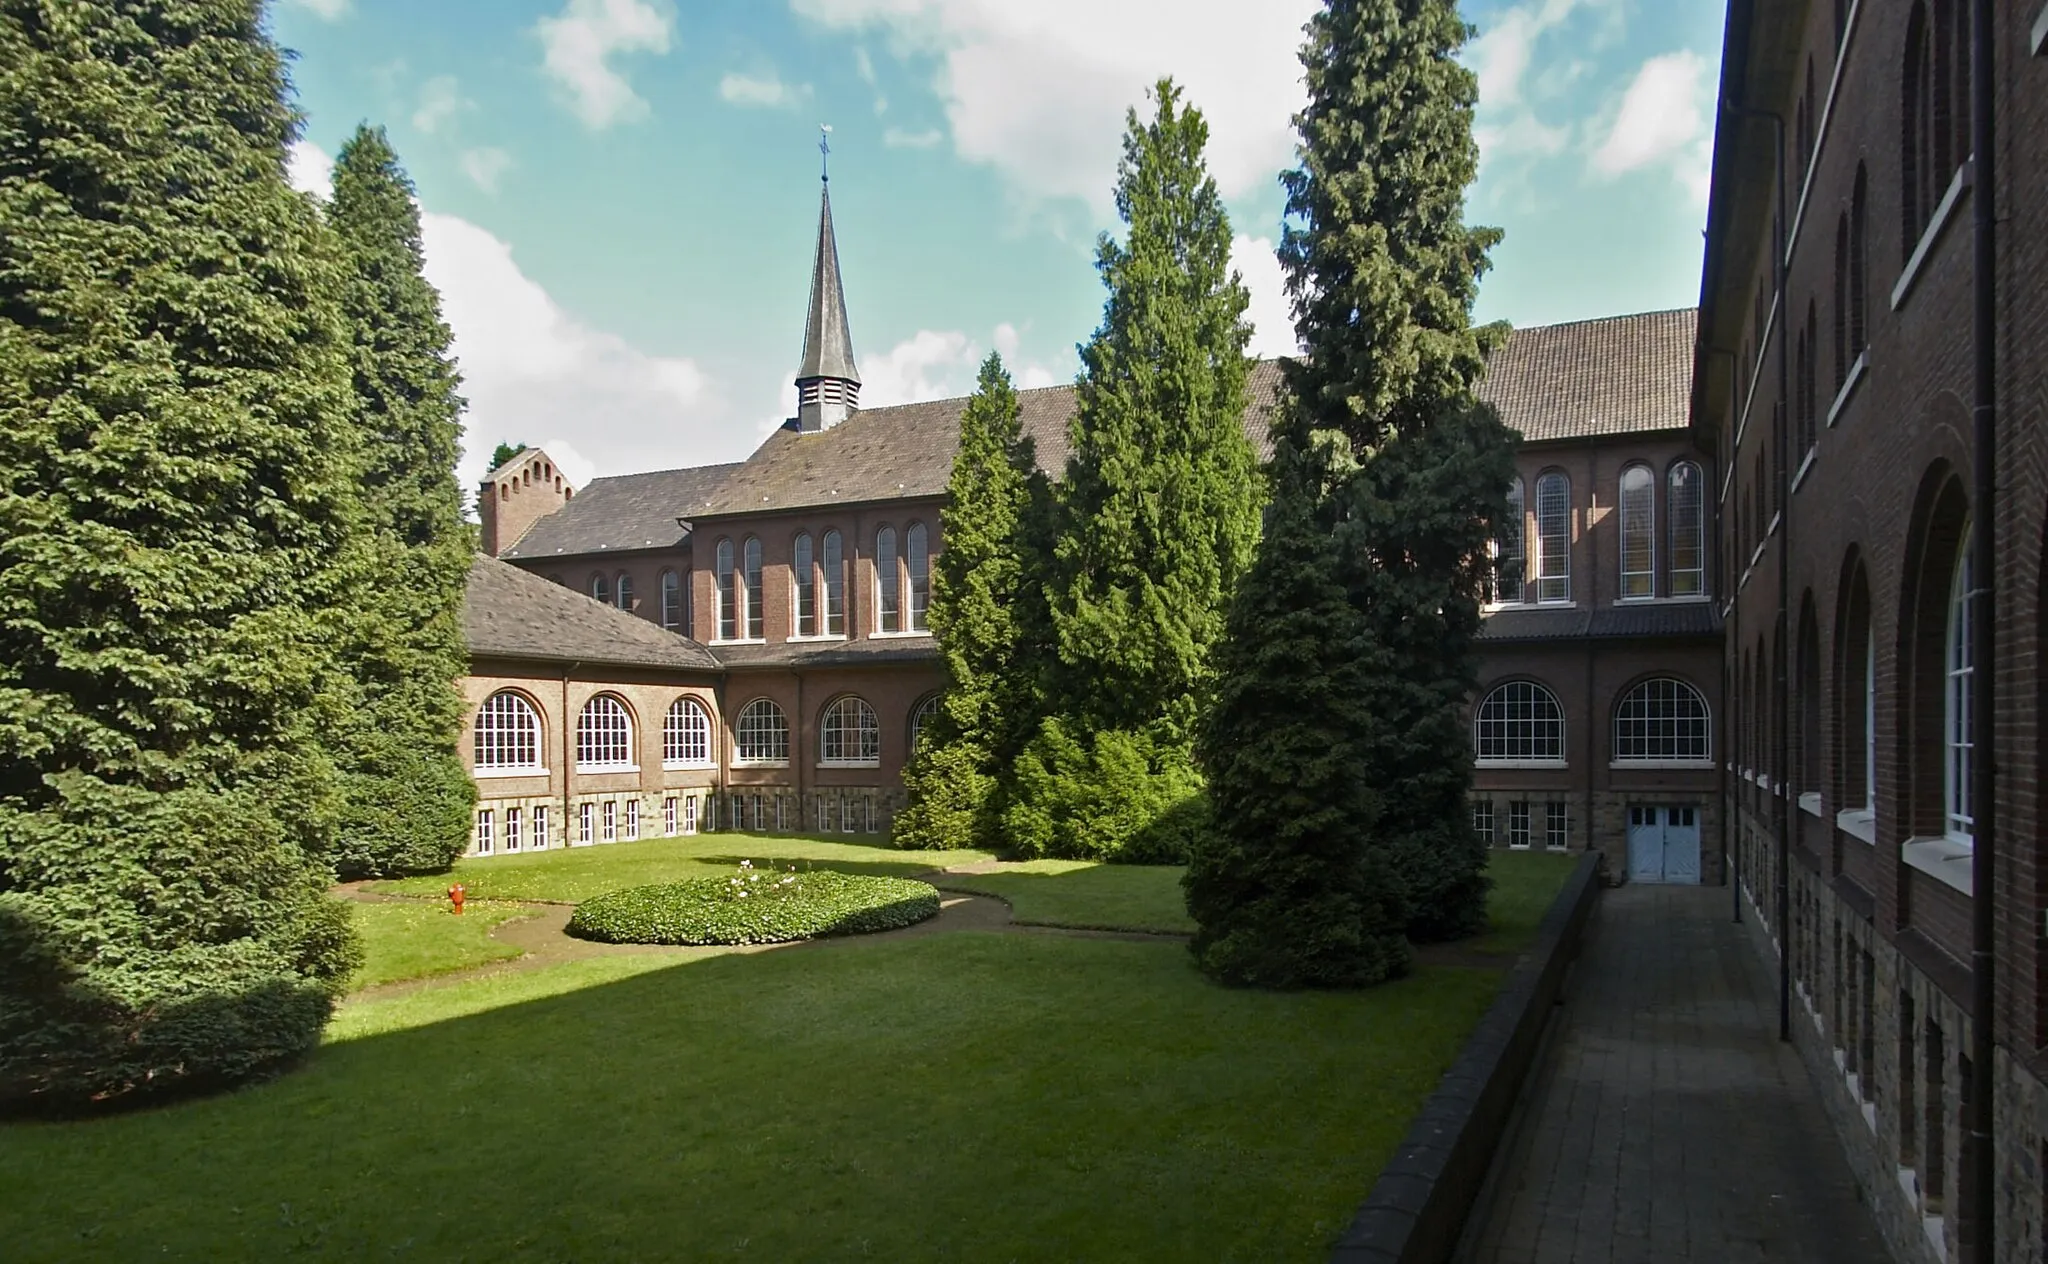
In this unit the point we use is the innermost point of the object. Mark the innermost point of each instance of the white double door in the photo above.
(1663, 844)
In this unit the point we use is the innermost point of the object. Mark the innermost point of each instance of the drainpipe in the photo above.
(568, 749)
(1984, 641)
(719, 697)
(1722, 585)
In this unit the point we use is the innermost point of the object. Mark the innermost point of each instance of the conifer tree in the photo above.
(406, 797)
(1383, 271)
(177, 508)
(978, 594)
(1282, 887)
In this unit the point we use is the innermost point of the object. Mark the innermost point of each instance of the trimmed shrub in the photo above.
(1121, 797)
(755, 907)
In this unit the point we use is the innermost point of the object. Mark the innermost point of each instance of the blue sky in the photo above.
(621, 196)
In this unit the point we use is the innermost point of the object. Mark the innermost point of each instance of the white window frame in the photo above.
(1689, 749)
(755, 614)
(917, 578)
(803, 597)
(755, 722)
(485, 829)
(689, 814)
(1518, 824)
(1557, 825)
(609, 749)
(725, 606)
(832, 561)
(632, 820)
(586, 817)
(1638, 522)
(888, 584)
(506, 737)
(668, 816)
(511, 829)
(608, 818)
(1688, 581)
(1482, 819)
(686, 738)
(1503, 698)
(1958, 661)
(671, 601)
(849, 734)
(1554, 567)
(921, 715)
(540, 827)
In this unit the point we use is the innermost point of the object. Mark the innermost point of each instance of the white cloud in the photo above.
(866, 67)
(766, 90)
(930, 364)
(1039, 90)
(440, 102)
(576, 467)
(1271, 316)
(898, 138)
(580, 45)
(484, 166)
(1662, 118)
(1501, 54)
(309, 169)
(327, 9)
(1523, 135)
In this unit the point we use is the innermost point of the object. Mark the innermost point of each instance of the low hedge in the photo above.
(754, 907)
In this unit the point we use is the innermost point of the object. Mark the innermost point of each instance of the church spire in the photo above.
(827, 383)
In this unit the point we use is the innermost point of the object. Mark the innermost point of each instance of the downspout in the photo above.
(798, 747)
(568, 750)
(719, 696)
(1721, 585)
(1984, 643)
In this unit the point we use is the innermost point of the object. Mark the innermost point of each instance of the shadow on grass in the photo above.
(961, 1096)
(1084, 895)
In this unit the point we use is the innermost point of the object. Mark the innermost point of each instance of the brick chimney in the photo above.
(518, 494)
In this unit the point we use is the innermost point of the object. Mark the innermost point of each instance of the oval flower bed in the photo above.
(754, 907)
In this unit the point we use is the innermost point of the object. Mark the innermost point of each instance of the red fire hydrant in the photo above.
(455, 895)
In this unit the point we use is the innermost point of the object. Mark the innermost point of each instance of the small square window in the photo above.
(540, 828)
(1482, 820)
(484, 832)
(1557, 826)
(632, 819)
(1518, 825)
(511, 829)
(611, 820)
(668, 816)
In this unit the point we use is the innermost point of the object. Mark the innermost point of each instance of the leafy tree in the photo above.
(978, 592)
(177, 509)
(406, 797)
(504, 451)
(1383, 271)
(1285, 887)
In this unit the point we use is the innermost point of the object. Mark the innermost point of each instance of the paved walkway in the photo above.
(1666, 1122)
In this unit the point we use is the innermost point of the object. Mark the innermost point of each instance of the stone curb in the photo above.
(1419, 1204)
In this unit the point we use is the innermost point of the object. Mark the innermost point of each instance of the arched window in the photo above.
(507, 734)
(1959, 667)
(802, 572)
(686, 735)
(917, 560)
(1519, 722)
(1918, 175)
(1808, 753)
(671, 601)
(849, 734)
(1662, 720)
(1809, 403)
(1859, 262)
(834, 566)
(1684, 505)
(751, 557)
(725, 594)
(1638, 532)
(625, 591)
(1856, 698)
(762, 734)
(888, 607)
(1553, 538)
(925, 713)
(604, 735)
(601, 589)
(1842, 353)
(1510, 555)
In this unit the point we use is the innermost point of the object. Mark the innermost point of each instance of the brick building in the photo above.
(1884, 662)
(779, 602)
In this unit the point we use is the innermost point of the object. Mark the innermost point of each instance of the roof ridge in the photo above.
(1607, 320)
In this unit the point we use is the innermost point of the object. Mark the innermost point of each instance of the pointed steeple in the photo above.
(827, 383)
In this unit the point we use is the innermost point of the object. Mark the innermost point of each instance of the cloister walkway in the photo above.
(1666, 1122)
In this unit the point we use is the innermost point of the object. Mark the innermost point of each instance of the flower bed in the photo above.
(754, 907)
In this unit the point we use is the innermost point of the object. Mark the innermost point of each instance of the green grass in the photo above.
(413, 941)
(570, 875)
(1086, 894)
(1524, 884)
(964, 1096)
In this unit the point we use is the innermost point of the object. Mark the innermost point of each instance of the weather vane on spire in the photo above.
(825, 152)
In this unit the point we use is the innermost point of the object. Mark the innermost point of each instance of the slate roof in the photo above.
(510, 613)
(1569, 623)
(906, 450)
(860, 653)
(828, 342)
(626, 511)
(1592, 378)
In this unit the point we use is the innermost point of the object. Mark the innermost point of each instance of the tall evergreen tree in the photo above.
(1383, 271)
(406, 797)
(978, 596)
(177, 507)
(1282, 887)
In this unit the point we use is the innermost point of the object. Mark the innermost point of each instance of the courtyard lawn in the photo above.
(949, 1096)
(1083, 893)
(570, 875)
(414, 941)
(1524, 884)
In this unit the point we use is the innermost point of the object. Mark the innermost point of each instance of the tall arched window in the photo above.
(507, 734)
(671, 601)
(1553, 538)
(604, 735)
(1638, 532)
(1959, 667)
(1510, 554)
(1685, 507)
(888, 606)
(803, 571)
(1918, 176)
(1809, 402)
(725, 594)
(762, 734)
(1842, 353)
(917, 565)
(849, 734)
(625, 591)
(686, 735)
(1519, 722)
(834, 566)
(1859, 262)
(1808, 753)
(601, 589)
(750, 555)
(1662, 720)
(925, 713)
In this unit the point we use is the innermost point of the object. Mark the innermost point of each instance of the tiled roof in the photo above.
(1569, 623)
(1590, 378)
(627, 511)
(512, 614)
(906, 450)
(861, 653)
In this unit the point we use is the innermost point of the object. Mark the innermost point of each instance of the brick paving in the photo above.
(1666, 1122)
